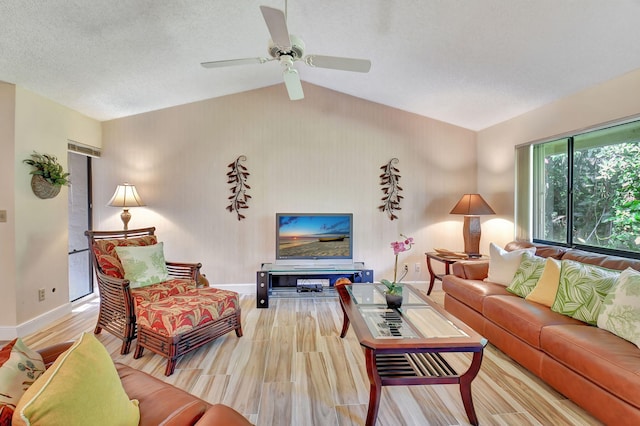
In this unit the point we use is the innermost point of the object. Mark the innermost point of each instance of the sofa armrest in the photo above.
(471, 269)
(51, 353)
(221, 415)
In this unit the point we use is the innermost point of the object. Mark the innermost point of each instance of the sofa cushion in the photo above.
(542, 250)
(620, 313)
(527, 274)
(160, 402)
(609, 262)
(504, 264)
(143, 265)
(20, 366)
(82, 387)
(107, 258)
(522, 318)
(598, 355)
(180, 313)
(471, 292)
(547, 287)
(582, 290)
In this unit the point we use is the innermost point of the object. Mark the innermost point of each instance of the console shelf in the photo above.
(290, 280)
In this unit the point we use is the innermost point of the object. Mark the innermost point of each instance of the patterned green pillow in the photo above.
(143, 265)
(582, 290)
(527, 275)
(620, 313)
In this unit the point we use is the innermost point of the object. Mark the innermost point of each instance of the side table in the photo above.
(448, 261)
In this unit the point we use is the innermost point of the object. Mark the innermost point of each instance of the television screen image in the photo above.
(307, 236)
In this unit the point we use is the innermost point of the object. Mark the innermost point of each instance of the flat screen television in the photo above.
(314, 238)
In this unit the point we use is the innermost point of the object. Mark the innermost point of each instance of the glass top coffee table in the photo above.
(405, 346)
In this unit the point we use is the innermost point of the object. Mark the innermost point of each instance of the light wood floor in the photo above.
(292, 368)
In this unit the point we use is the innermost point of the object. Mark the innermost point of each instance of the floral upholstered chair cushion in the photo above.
(108, 260)
(180, 313)
(156, 292)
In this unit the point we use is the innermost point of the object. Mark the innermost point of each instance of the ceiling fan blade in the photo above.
(233, 62)
(293, 84)
(337, 63)
(277, 24)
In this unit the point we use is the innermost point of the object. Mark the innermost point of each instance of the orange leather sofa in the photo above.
(161, 403)
(591, 366)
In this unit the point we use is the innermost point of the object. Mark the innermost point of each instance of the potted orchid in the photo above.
(393, 293)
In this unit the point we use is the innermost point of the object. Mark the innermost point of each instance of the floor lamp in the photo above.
(472, 206)
(126, 196)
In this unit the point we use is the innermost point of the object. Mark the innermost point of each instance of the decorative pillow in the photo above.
(582, 290)
(504, 264)
(82, 387)
(19, 368)
(527, 275)
(144, 265)
(106, 254)
(620, 313)
(545, 291)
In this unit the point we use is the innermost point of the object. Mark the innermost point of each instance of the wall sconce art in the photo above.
(389, 181)
(237, 176)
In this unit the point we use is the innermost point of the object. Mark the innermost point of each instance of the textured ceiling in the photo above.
(469, 63)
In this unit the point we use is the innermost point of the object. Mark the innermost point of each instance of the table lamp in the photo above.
(472, 206)
(126, 196)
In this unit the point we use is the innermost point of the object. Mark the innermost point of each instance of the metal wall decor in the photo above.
(389, 180)
(237, 176)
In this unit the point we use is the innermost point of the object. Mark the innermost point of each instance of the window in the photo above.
(586, 190)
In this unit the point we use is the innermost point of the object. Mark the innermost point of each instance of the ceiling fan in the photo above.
(287, 49)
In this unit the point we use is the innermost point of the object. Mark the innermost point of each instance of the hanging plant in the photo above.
(237, 176)
(47, 175)
(389, 180)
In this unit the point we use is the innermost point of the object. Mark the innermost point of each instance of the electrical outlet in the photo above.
(417, 267)
(41, 294)
(406, 267)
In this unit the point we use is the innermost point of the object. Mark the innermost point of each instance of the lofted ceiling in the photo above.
(471, 63)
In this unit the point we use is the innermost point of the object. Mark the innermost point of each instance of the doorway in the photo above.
(80, 214)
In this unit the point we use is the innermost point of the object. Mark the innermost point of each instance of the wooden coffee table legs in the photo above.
(382, 370)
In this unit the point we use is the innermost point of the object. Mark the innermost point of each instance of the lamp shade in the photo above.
(472, 204)
(126, 196)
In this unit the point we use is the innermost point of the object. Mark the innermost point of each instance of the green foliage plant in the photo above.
(47, 166)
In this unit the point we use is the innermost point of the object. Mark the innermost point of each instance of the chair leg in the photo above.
(138, 352)
(126, 347)
(239, 327)
(171, 366)
(97, 330)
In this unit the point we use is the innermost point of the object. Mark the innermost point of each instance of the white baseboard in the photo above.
(238, 288)
(35, 324)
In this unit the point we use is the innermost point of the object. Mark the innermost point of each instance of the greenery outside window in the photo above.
(586, 190)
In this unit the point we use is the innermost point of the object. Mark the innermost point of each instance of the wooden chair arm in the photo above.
(189, 271)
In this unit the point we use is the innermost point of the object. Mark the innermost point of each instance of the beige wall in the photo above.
(610, 101)
(321, 154)
(7, 230)
(39, 227)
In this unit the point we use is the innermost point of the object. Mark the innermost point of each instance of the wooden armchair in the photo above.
(117, 307)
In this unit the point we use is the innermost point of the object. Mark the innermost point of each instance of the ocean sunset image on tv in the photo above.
(314, 236)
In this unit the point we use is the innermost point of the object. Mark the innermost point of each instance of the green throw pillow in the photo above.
(582, 290)
(620, 313)
(143, 265)
(527, 275)
(82, 387)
